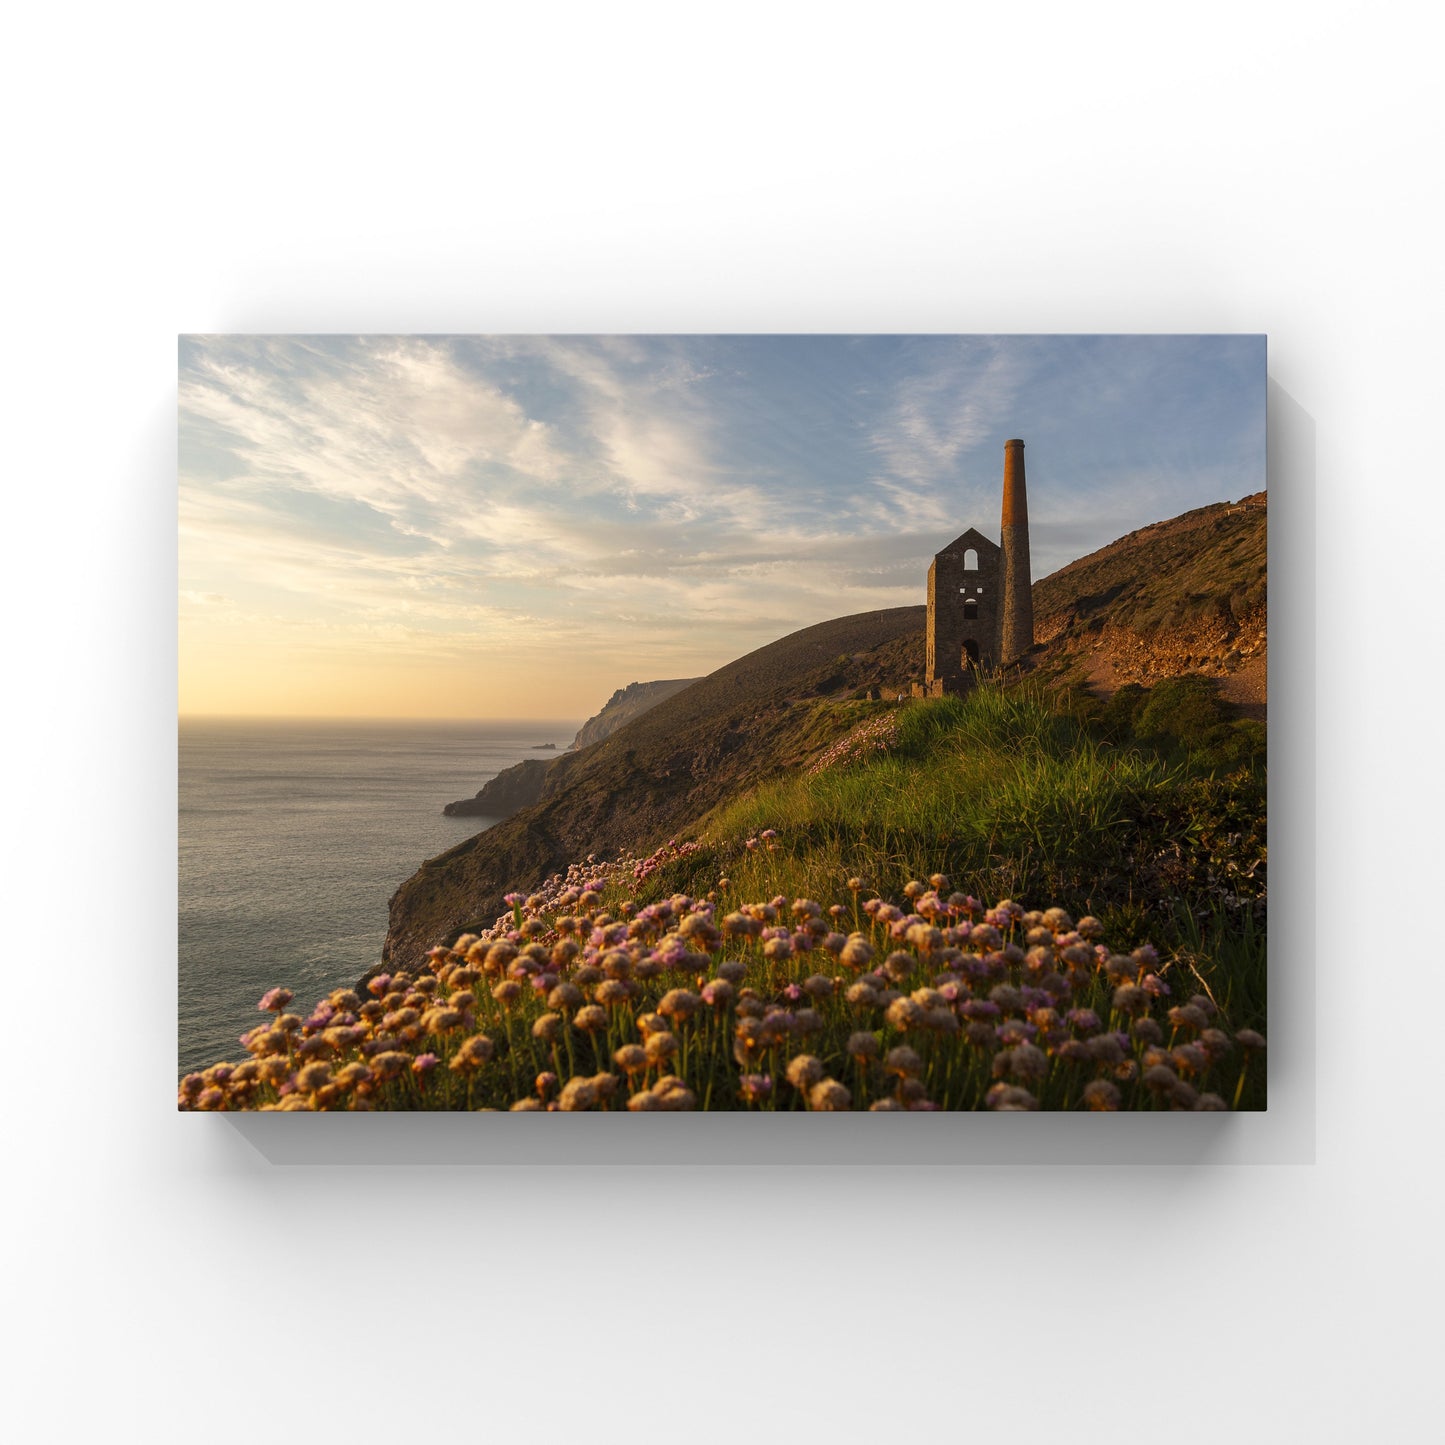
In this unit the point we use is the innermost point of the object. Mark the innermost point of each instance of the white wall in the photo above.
(1031, 167)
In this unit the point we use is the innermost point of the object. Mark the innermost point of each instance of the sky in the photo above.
(514, 527)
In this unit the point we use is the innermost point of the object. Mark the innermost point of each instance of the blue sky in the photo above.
(515, 526)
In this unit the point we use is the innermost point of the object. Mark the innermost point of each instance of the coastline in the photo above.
(293, 835)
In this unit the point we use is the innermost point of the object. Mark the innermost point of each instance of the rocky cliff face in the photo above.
(624, 705)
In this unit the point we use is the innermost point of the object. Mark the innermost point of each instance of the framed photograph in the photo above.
(749, 723)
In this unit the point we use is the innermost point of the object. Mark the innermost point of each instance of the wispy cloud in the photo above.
(955, 401)
(659, 503)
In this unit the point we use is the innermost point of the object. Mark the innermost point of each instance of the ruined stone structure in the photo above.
(980, 594)
(964, 598)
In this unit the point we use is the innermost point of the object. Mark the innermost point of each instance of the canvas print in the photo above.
(749, 723)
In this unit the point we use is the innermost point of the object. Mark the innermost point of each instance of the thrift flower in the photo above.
(1007, 1099)
(902, 1061)
(660, 1047)
(1101, 1095)
(829, 1096)
(863, 1046)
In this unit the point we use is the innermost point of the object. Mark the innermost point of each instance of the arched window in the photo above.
(970, 560)
(970, 608)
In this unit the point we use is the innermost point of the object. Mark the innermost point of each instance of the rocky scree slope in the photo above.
(1188, 595)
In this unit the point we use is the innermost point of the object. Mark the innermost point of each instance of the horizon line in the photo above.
(365, 717)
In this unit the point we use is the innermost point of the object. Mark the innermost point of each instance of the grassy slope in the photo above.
(1011, 798)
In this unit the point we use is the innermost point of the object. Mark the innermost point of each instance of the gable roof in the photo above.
(971, 538)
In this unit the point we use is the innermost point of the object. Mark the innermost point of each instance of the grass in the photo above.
(1011, 795)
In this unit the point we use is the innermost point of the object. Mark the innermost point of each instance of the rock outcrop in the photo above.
(510, 791)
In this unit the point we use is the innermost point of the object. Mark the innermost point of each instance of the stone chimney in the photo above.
(1018, 600)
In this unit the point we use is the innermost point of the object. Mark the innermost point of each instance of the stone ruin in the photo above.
(980, 595)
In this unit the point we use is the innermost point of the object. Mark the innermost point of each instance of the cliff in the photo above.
(625, 704)
(521, 785)
(512, 789)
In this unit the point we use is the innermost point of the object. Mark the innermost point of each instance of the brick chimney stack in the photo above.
(1018, 600)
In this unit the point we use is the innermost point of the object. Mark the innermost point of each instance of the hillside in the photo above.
(772, 710)
(1183, 596)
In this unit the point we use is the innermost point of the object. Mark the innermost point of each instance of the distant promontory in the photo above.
(520, 786)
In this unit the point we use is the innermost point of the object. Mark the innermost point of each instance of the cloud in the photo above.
(654, 441)
(948, 406)
(646, 502)
(396, 425)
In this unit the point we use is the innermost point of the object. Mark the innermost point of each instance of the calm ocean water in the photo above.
(293, 836)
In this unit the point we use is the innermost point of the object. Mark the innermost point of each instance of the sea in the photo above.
(294, 834)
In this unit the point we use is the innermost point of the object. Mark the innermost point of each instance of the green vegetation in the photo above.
(1182, 717)
(1147, 812)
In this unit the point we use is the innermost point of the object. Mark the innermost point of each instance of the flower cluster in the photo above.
(670, 852)
(583, 881)
(579, 999)
(876, 735)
